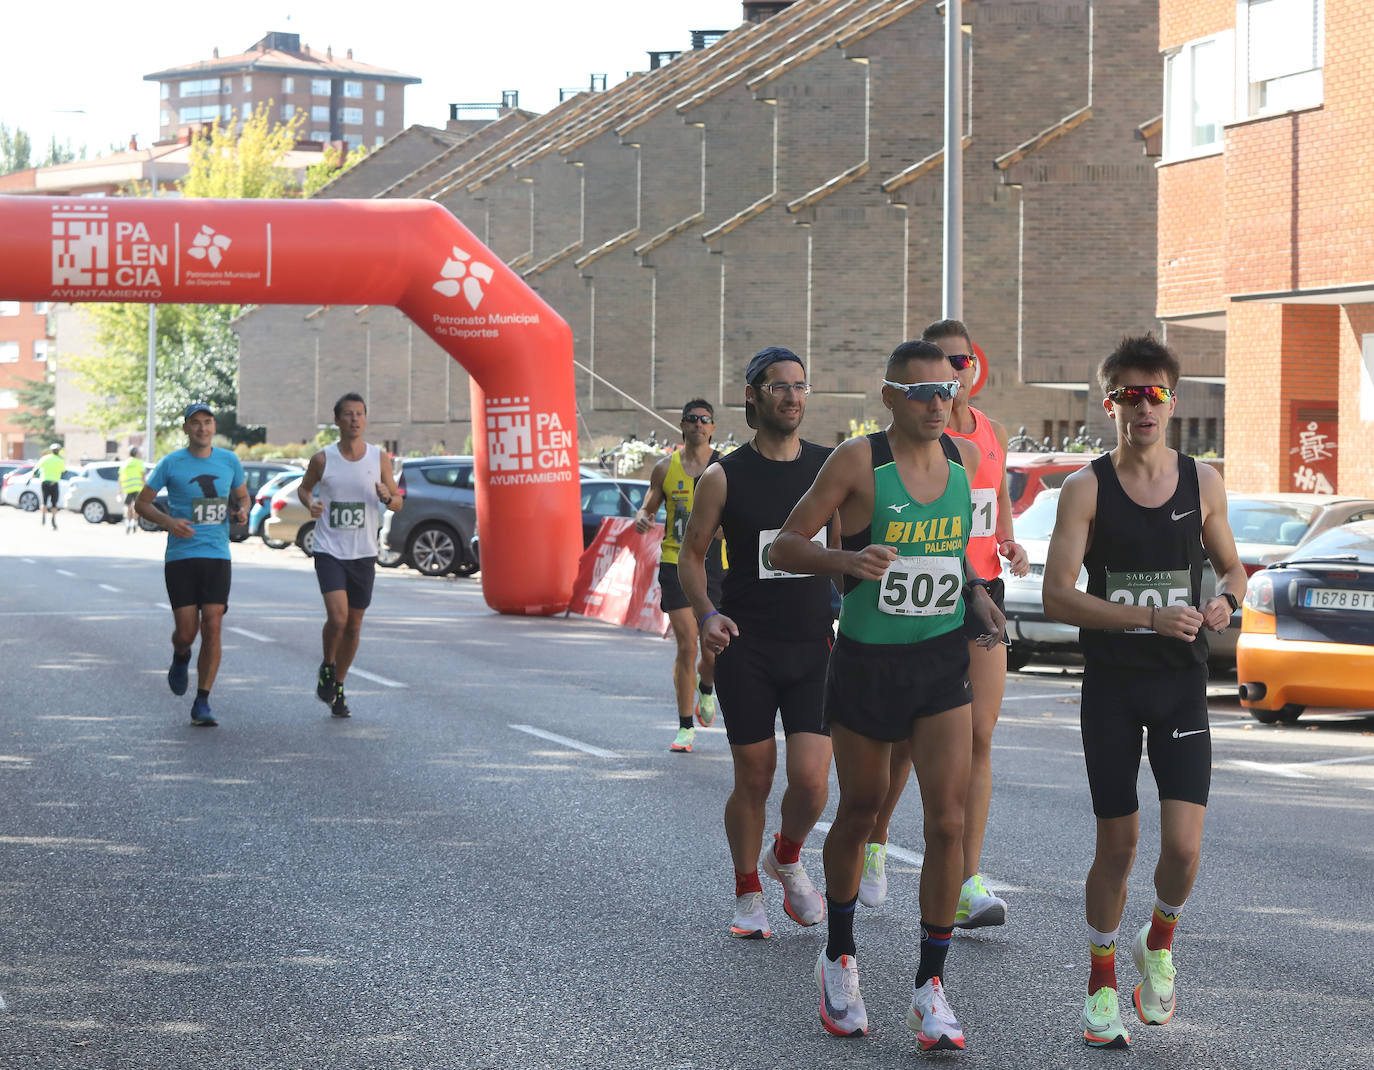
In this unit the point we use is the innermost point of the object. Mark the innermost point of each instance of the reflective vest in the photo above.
(131, 476)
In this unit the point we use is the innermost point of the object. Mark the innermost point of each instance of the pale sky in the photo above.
(76, 69)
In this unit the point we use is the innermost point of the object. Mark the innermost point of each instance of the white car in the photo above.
(26, 491)
(94, 493)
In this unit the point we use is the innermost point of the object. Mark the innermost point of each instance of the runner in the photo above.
(1139, 518)
(49, 471)
(199, 479)
(352, 479)
(673, 482)
(131, 478)
(770, 634)
(899, 669)
(991, 536)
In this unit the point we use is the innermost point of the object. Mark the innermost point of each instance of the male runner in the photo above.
(49, 471)
(899, 669)
(1139, 518)
(673, 481)
(131, 478)
(352, 479)
(200, 480)
(770, 637)
(991, 536)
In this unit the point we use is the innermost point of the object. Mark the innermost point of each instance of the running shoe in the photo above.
(1154, 996)
(325, 684)
(706, 707)
(1102, 1026)
(842, 1008)
(978, 906)
(803, 903)
(683, 743)
(750, 921)
(873, 883)
(178, 676)
(932, 1019)
(339, 707)
(201, 715)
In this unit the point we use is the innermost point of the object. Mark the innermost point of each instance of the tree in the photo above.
(332, 163)
(246, 161)
(16, 150)
(63, 153)
(36, 399)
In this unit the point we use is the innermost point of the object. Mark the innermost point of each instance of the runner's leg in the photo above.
(185, 625)
(808, 783)
(940, 748)
(207, 664)
(684, 664)
(335, 622)
(1105, 891)
(899, 769)
(347, 645)
(1180, 849)
(861, 766)
(745, 815)
(988, 674)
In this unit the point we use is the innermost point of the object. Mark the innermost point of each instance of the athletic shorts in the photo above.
(1172, 704)
(197, 581)
(757, 678)
(352, 576)
(131, 497)
(50, 494)
(973, 627)
(881, 690)
(672, 596)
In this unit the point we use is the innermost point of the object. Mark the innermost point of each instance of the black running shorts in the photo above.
(758, 678)
(131, 497)
(197, 581)
(355, 577)
(50, 494)
(1172, 705)
(881, 690)
(972, 626)
(671, 595)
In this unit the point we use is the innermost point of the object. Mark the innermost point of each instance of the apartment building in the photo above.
(25, 348)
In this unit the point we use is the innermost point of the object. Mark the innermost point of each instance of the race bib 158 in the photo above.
(209, 510)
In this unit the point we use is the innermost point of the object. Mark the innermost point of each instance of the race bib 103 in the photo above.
(347, 516)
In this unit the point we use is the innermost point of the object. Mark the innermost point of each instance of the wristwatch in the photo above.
(977, 581)
(1231, 600)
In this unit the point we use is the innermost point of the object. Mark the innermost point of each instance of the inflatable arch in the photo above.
(411, 254)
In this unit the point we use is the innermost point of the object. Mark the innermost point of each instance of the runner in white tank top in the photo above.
(345, 488)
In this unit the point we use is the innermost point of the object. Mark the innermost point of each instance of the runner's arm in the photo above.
(1220, 545)
(242, 503)
(708, 503)
(144, 507)
(844, 470)
(644, 515)
(1068, 546)
(305, 489)
(392, 497)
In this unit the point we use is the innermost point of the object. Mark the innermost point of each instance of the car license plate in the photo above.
(1338, 598)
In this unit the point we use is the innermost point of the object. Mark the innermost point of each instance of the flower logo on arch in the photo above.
(463, 274)
(207, 245)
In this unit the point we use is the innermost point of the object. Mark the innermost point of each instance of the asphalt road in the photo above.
(434, 883)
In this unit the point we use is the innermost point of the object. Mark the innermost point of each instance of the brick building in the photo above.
(24, 352)
(343, 99)
(783, 185)
(1267, 228)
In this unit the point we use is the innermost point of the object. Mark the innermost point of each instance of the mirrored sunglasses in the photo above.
(960, 361)
(926, 391)
(694, 418)
(1134, 395)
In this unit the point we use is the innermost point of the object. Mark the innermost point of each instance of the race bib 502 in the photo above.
(921, 586)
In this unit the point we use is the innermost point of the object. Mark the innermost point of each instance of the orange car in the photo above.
(1030, 473)
(1307, 628)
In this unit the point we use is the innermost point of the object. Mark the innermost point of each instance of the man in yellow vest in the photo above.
(49, 470)
(131, 479)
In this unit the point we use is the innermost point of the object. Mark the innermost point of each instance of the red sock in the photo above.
(746, 883)
(784, 850)
(1103, 973)
(1161, 934)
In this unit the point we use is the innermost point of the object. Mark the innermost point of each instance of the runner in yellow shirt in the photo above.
(131, 479)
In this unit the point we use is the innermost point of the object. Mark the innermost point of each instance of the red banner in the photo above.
(617, 577)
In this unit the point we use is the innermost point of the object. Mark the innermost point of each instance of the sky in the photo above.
(79, 75)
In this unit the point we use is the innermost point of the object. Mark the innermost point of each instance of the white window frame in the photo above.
(40, 308)
(319, 87)
(246, 112)
(166, 117)
(353, 90)
(9, 352)
(379, 141)
(380, 116)
(319, 135)
(351, 116)
(9, 399)
(248, 83)
(42, 349)
(1252, 96)
(164, 91)
(288, 84)
(1367, 377)
(319, 113)
(1179, 67)
(9, 308)
(381, 91)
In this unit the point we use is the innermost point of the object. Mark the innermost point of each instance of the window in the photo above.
(354, 90)
(319, 87)
(9, 308)
(109, 471)
(351, 116)
(166, 117)
(1198, 96)
(380, 116)
(247, 110)
(353, 141)
(379, 141)
(200, 87)
(319, 113)
(450, 475)
(288, 112)
(8, 400)
(40, 308)
(1367, 377)
(9, 352)
(288, 84)
(319, 135)
(206, 113)
(381, 91)
(164, 90)
(41, 349)
(248, 83)
(1283, 42)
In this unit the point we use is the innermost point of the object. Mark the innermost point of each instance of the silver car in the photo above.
(94, 493)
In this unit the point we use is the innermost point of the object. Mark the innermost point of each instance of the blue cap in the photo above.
(195, 407)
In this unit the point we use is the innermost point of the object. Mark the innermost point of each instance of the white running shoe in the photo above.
(750, 921)
(1154, 996)
(978, 906)
(842, 1008)
(932, 1019)
(873, 883)
(1102, 1026)
(803, 903)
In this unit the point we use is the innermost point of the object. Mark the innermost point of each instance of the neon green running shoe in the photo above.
(1154, 996)
(706, 707)
(873, 882)
(978, 906)
(683, 743)
(1102, 1026)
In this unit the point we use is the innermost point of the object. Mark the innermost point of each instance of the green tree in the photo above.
(63, 153)
(36, 399)
(16, 150)
(333, 162)
(244, 161)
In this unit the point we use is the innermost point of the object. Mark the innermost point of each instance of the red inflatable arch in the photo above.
(411, 254)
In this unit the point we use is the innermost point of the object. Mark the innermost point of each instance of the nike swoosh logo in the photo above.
(898, 508)
(1195, 732)
(1180, 516)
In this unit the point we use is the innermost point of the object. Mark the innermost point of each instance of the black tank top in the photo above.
(1141, 556)
(760, 495)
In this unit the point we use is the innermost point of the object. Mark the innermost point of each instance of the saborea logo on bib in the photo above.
(209, 510)
(347, 516)
(1158, 588)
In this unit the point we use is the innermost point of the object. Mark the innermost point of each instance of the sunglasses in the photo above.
(1134, 395)
(926, 391)
(960, 361)
(693, 418)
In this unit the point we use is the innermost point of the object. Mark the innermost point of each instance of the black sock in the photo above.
(705, 689)
(934, 947)
(180, 658)
(202, 695)
(684, 722)
(841, 940)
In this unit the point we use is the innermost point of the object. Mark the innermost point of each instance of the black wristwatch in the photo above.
(1231, 600)
(977, 581)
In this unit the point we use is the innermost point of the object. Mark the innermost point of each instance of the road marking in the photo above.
(1265, 767)
(246, 632)
(575, 744)
(28, 561)
(375, 678)
(162, 605)
(107, 587)
(64, 572)
(1027, 698)
(915, 858)
(1337, 761)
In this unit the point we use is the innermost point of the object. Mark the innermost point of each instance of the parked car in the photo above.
(23, 490)
(94, 493)
(1269, 527)
(1030, 473)
(1307, 635)
(10, 475)
(255, 474)
(434, 531)
(262, 505)
(289, 521)
(7, 468)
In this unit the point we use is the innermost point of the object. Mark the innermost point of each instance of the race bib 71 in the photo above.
(984, 512)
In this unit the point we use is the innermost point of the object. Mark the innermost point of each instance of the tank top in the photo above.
(760, 495)
(679, 491)
(984, 485)
(1145, 557)
(347, 529)
(920, 596)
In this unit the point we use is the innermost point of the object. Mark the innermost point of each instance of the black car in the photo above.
(433, 531)
(255, 474)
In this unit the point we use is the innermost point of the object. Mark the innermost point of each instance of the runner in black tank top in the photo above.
(1140, 519)
(771, 635)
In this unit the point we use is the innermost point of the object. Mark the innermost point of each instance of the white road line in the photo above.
(107, 587)
(1290, 769)
(575, 744)
(28, 560)
(1337, 761)
(375, 678)
(1266, 767)
(64, 572)
(248, 634)
(915, 858)
(162, 605)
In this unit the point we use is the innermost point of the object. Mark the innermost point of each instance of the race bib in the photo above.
(1159, 588)
(766, 569)
(347, 516)
(921, 587)
(984, 512)
(680, 518)
(209, 510)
